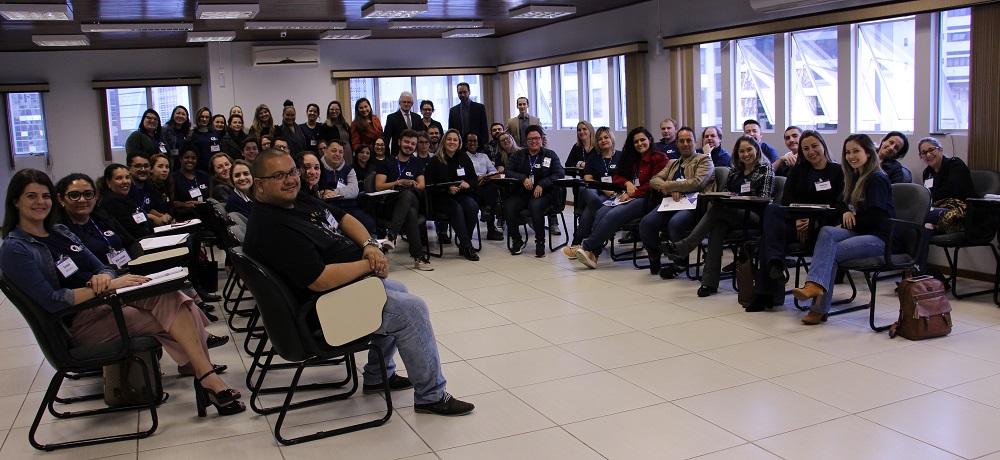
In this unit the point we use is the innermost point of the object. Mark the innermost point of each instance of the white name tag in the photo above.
(546, 162)
(119, 258)
(312, 142)
(460, 171)
(929, 183)
(745, 188)
(606, 179)
(679, 179)
(195, 192)
(163, 148)
(215, 148)
(332, 221)
(636, 182)
(823, 185)
(66, 266)
(139, 217)
(174, 152)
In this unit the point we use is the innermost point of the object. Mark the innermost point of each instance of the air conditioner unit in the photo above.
(768, 6)
(285, 55)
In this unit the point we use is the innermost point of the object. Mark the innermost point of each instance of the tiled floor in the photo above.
(564, 362)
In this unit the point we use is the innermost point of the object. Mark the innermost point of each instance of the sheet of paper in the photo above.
(176, 225)
(157, 242)
(688, 201)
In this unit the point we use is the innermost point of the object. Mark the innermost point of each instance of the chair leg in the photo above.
(953, 276)
(565, 234)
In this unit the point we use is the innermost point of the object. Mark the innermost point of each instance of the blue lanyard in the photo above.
(607, 166)
(401, 166)
(99, 232)
(531, 163)
(194, 181)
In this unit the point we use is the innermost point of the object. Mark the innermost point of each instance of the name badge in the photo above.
(119, 258)
(606, 179)
(546, 162)
(163, 148)
(929, 183)
(340, 183)
(312, 142)
(579, 164)
(195, 192)
(174, 152)
(331, 221)
(215, 148)
(532, 179)
(460, 171)
(745, 188)
(823, 185)
(66, 266)
(679, 179)
(139, 217)
(636, 182)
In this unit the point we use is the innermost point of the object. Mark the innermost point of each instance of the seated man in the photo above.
(317, 247)
(487, 194)
(405, 174)
(341, 182)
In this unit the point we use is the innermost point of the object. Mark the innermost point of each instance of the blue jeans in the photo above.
(588, 202)
(608, 220)
(677, 224)
(833, 246)
(406, 324)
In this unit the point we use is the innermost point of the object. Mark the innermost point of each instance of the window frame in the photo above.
(12, 143)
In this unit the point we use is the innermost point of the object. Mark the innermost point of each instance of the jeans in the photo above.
(406, 325)
(677, 223)
(588, 202)
(716, 224)
(404, 217)
(608, 220)
(536, 207)
(833, 246)
(462, 212)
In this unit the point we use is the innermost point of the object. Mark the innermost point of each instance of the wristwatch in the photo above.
(370, 242)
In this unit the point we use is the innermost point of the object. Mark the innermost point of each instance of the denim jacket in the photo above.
(27, 263)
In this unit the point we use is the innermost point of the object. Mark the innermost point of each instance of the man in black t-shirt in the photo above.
(316, 247)
(404, 174)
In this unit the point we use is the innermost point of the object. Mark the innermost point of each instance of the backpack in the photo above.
(924, 311)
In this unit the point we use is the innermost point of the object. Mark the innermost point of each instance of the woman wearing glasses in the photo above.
(147, 137)
(427, 109)
(536, 169)
(950, 183)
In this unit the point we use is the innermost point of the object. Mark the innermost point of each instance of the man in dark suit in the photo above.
(400, 120)
(468, 116)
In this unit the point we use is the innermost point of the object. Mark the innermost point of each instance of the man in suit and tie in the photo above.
(399, 121)
(468, 116)
(518, 125)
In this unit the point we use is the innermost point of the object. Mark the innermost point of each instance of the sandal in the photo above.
(225, 401)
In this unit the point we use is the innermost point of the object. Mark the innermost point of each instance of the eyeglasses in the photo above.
(281, 147)
(929, 151)
(86, 194)
(294, 172)
(141, 166)
(534, 139)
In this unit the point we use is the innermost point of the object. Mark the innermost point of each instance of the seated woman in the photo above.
(363, 164)
(105, 237)
(220, 164)
(508, 147)
(33, 246)
(637, 165)
(599, 167)
(241, 200)
(950, 182)
(867, 208)
(162, 182)
(536, 169)
(892, 149)
(116, 202)
(815, 179)
(750, 174)
(308, 164)
(190, 184)
(458, 202)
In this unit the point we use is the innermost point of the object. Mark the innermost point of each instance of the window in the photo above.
(813, 79)
(562, 95)
(26, 122)
(620, 102)
(754, 88)
(885, 75)
(543, 95)
(597, 76)
(360, 88)
(569, 87)
(383, 93)
(390, 89)
(710, 63)
(953, 70)
(958, 37)
(126, 105)
(434, 89)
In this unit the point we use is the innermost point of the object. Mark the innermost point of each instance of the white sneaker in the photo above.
(389, 244)
(423, 265)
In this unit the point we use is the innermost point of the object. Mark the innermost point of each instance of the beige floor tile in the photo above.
(845, 340)
(180, 424)
(254, 446)
(569, 284)
(532, 309)
(501, 294)
(744, 452)
(466, 319)
(663, 431)
(930, 365)
(982, 343)
(509, 262)
(758, 410)
(776, 322)
(369, 444)
(623, 349)
(24, 356)
(982, 390)
(683, 376)
(532, 366)
(604, 299)
(542, 272)
(474, 281)
(851, 387)
(955, 424)
(771, 357)
(651, 315)
(584, 397)
(850, 437)
(19, 337)
(16, 447)
(551, 444)
(705, 334)
(571, 328)
(447, 301)
(491, 341)
(18, 380)
(497, 415)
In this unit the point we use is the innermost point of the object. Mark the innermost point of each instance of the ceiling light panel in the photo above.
(541, 12)
(138, 27)
(34, 12)
(467, 33)
(435, 24)
(60, 40)
(227, 11)
(392, 10)
(292, 25)
(210, 36)
(355, 34)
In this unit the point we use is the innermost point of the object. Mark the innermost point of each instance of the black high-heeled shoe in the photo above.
(225, 401)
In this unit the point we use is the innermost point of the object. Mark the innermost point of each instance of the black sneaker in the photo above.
(444, 238)
(494, 235)
(448, 406)
(396, 383)
(517, 245)
(539, 250)
(671, 271)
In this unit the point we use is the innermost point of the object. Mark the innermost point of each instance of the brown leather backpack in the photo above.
(924, 310)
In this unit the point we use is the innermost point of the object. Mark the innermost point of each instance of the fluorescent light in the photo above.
(530, 11)
(205, 37)
(467, 33)
(354, 34)
(435, 24)
(31, 12)
(60, 40)
(227, 11)
(293, 25)
(138, 27)
(392, 10)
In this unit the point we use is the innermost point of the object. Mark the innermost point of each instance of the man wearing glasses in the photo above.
(400, 120)
(142, 191)
(537, 169)
(316, 247)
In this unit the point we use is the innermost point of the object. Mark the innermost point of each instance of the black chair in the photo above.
(907, 175)
(52, 336)
(980, 228)
(295, 337)
(553, 210)
(912, 203)
(440, 218)
(375, 207)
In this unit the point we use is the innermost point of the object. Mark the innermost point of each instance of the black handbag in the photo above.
(746, 273)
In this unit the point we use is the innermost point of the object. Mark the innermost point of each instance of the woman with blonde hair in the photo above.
(586, 144)
(458, 202)
(263, 122)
